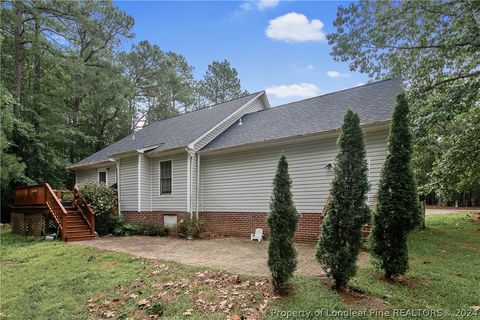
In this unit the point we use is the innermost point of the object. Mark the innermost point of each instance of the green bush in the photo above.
(141, 229)
(282, 222)
(103, 201)
(398, 207)
(152, 230)
(340, 239)
(190, 227)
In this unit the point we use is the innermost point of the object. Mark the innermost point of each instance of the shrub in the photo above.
(103, 201)
(141, 229)
(398, 208)
(341, 237)
(282, 221)
(152, 230)
(190, 227)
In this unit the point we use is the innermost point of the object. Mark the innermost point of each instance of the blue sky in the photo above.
(278, 46)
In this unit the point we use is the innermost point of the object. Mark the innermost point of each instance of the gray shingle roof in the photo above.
(373, 102)
(171, 133)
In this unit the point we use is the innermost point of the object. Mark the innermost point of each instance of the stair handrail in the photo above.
(85, 209)
(57, 210)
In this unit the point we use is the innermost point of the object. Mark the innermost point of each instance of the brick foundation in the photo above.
(235, 224)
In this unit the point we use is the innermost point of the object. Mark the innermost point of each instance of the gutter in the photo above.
(284, 139)
(117, 162)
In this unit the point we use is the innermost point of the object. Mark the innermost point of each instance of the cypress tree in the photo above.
(282, 221)
(341, 238)
(398, 208)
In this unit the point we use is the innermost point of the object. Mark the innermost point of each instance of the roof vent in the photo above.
(133, 137)
(240, 122)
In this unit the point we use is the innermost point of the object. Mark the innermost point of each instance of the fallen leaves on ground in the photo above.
(208, 291)
(475, 217)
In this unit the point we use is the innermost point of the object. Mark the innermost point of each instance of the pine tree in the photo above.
(398, 209)
(341, 239)
(282, 221)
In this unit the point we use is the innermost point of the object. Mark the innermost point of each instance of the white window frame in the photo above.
(106, 175)
(160, 178)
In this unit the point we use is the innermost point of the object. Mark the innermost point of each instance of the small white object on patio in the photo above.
(258, 235)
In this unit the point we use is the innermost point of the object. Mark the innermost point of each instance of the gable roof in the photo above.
(171, 133)
(373, 102)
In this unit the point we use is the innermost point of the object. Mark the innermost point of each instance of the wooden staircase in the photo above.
(77, 228)
(75, 219)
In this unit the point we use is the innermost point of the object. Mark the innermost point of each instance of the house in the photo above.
(219, 162)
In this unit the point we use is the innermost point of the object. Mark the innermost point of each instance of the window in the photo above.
(102, 177)
(166, 177)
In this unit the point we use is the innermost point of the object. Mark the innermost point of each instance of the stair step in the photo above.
(77, 227)
(78, 233)
(79, 238)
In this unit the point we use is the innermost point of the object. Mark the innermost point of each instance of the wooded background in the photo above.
(67, 90)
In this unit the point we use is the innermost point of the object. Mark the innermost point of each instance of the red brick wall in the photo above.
(236, 224)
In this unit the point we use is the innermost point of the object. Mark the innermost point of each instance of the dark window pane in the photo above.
(102, 177)
(166, 177)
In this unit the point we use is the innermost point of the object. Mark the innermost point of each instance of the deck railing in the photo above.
(56, 209)
(31, 195)
(84, 207)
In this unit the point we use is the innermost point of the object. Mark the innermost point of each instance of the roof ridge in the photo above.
(334, 92)
(211, 106)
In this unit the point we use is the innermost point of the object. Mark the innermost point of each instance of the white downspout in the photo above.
(139, 208)
(188, 182)
(117, 168)
(198, 183)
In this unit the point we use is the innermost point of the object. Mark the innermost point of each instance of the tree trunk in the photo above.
(37, 75)
(18, 48)
(73, 142)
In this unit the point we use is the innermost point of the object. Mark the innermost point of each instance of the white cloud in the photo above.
(333, 74)
(336, 74)
(299, 90)
(259, 4)
(265, 4)
(295, 27)
(310, 67)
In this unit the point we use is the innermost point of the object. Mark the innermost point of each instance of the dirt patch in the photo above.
(402, 280)
(357, 299)
(207, 292)
(468, 245)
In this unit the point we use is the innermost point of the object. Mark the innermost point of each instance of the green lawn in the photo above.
(54, 280)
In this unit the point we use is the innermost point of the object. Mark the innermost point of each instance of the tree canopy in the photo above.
(435, 47)
(68, 88)
(221, 83)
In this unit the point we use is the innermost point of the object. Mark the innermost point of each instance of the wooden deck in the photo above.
(36, 207)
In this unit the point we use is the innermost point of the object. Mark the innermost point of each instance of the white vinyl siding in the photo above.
(129, 184)
(193, 182)
(91, 175)
(146, 183)
(242, 181)
(177, 201)
(253, 106)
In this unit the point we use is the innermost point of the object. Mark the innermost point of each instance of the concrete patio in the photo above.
(231, 254)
